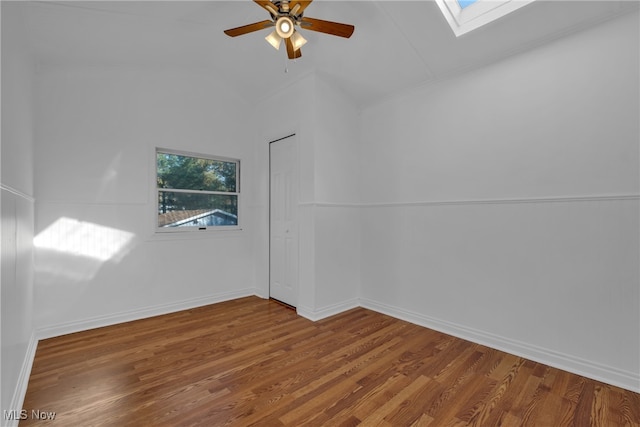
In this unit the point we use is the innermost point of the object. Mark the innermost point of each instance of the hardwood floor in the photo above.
(255, 362)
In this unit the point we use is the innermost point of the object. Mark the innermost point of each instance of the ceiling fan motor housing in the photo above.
(282, 9)
(282, 5)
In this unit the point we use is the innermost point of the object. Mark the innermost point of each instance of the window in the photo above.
(467, 15)
(196, 192)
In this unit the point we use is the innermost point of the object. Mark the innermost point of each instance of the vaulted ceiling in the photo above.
(396, 45)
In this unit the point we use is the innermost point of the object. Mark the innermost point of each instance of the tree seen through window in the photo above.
(196, 191)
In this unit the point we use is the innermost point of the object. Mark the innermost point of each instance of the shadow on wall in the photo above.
(75, 250)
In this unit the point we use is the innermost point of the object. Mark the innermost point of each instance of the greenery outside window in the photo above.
(196, 192)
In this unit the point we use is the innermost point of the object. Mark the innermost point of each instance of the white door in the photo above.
(283, 239)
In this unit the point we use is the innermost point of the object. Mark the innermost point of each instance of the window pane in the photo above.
(196, 209)
(192, 173)
(465, 3)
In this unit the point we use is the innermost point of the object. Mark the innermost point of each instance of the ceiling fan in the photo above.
(286, 15)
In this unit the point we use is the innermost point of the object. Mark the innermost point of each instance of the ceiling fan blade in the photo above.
(302, 5)
(257, 26)
(327, 27)
(291, 53)
(266, 4)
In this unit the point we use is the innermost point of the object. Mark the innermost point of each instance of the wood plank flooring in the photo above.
(254, 362)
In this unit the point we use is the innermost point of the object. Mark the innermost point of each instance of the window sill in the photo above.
(196, 234)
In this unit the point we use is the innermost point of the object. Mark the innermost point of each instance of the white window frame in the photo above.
(477, 14)
(195, 229)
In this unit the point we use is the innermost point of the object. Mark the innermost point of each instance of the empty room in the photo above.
(287, 213)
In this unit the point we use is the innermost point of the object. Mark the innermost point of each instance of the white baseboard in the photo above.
(607, 374)
(128, 316)
(260, 294)
(315, 315)
(20, 391)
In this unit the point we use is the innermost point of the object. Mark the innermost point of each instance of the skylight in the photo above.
(467, 15)
(465, 3)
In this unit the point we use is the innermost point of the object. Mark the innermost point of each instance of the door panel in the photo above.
(283, 246)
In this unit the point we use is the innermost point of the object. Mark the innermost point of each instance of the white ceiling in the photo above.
(396, 44)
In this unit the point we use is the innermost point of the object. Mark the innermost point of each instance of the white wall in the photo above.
(97, 130)
(502, 206)
(270, 124)
(326, 128)
(337, 192)
(17, 208)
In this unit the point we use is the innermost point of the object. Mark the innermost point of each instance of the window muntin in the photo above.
(196, 191)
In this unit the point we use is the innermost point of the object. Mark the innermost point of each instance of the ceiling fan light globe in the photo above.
(284, 27)
(274, 40)
(297, 40)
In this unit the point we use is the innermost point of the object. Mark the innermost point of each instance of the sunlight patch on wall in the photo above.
(84, 239)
